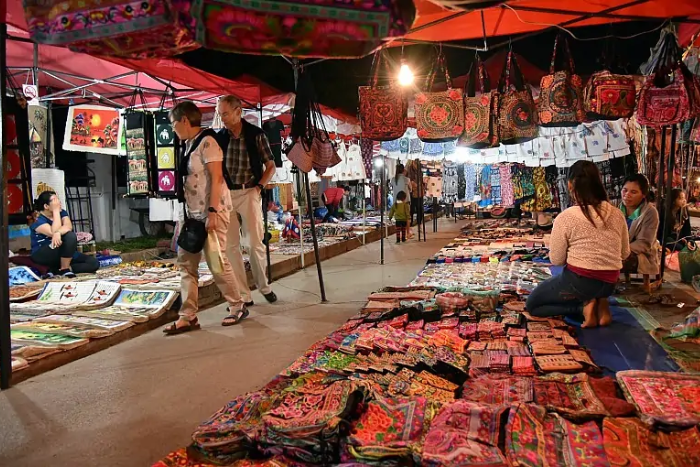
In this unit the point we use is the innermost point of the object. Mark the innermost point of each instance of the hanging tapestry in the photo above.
(166, 162)
(137, 170)
(92, 128)
(19, 175)
(660, 397)
(49, 180)
(38, 132)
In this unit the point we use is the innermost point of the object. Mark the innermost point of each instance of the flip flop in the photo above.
(668, 300)
(173, 330)
(236, 317)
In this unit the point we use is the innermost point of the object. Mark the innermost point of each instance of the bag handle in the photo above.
(379, 58)
(483, 76)
(518, 81)
(567, 55)
(439, 64)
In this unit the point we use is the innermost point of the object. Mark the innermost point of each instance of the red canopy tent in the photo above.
(494, 66)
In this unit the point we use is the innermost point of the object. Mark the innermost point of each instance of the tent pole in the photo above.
(301, 217)
(313, 236)
(267, 228)
(660, 170)
(5, 348)
(364, 213)
(667, 209)
(382, 199)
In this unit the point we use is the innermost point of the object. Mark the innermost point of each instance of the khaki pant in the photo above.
(189, 275)
(248, 204)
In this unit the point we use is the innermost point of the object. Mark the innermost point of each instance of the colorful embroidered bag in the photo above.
(663, 102)
(383, 109)
(480, 112)
(609, 97)
(136, 28)
(300, 28)
(439, 115)
(561, 93)
(516, 108)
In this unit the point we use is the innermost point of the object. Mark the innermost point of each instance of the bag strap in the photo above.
(567, 54)
(518, 81)
(184, 162)
(479, 69)
(379, 58)
(439, 64)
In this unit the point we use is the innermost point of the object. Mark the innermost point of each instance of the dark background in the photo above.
(336, 81)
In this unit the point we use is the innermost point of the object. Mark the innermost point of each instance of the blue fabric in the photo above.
(39, 240)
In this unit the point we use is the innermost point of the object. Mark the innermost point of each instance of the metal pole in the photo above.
(382, 195)
(5, 338)
(669, 187)
(422, 219)
(435, 213)
(313, 236)
(660, 170)
(301, 217)
(267, 228)
(364, 213)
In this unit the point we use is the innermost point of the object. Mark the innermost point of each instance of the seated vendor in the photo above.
(643, 223)
(590, 239)
(677, 226)
(54, 244)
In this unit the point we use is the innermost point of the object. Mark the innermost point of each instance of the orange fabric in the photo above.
(503, 22)
(334, 196)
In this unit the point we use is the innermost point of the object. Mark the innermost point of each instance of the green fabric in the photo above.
(635, 215)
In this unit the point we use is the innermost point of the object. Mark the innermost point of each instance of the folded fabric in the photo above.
(498, 389)
(569, 395)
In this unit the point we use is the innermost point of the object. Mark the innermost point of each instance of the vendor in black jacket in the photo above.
(249, 167)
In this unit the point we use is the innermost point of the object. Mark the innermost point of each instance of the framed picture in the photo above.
(93, 128)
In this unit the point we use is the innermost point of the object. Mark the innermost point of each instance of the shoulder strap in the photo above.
(184, 162)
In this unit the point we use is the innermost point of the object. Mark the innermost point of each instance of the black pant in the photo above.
(332, 212)
(401, 227)
(565, 294)
(417, 209)
(51, 257)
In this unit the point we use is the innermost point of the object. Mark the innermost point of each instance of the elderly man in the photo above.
(249, 166)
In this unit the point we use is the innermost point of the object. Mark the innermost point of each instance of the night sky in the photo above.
(336, 81)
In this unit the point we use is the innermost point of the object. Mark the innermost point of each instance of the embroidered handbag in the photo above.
(609, 96)
(516, 108)
(383, 109)
(561, 92)
(663, 102)
(480, 112)
(300, 28)
(136, 28)
(439, 115)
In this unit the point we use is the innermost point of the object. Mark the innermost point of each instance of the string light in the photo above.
(405, 74)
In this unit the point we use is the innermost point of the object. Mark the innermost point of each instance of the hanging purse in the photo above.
(664, 98)
(561, 92)
(383, 109)
(516, 108)
(480, 112)
(609, 96)
(439, 115)
(135, 29)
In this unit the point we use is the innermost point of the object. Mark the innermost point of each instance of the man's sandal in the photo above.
(235, 317)
(173, 330)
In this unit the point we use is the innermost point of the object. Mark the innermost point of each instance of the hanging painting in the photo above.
(166, 162)
(18, 176)
(49, 180)
(92, 128)
(137, 171)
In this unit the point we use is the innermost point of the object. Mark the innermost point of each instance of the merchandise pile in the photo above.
(452, 371)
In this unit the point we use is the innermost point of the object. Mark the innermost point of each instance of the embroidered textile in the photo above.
(568, 395)
(450, 183)
(660, 397)
(507, 198)
(498, 389)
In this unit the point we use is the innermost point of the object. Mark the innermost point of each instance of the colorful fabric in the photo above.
(383, 109)
(609, 97)
(660, 397)
(568, 395)
(449, 183)
(663, 106)
(561, 93)
(628, 442)
(507, 197)
(498, 390)
(535, 438)
(464, 434)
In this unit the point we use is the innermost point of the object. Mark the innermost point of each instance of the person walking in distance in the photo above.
(248, 166)
(206, 199)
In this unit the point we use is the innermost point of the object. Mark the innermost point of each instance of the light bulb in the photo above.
(405, 75)
(378, 162)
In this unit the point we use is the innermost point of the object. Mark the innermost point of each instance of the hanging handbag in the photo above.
(480, 112)
(383, 109)
(561, 92)
(134, 29)
(300, 28)
(609, 96)
(193, 233)
(664, 98)
(439, 115)
(516, 108)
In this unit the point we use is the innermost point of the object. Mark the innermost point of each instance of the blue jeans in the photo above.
(565, 294)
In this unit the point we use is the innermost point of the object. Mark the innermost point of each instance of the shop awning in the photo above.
(436, 23)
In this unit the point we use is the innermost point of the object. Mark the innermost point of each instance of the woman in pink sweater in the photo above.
(591, 240)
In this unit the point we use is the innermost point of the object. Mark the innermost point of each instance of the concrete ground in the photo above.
(132, 404)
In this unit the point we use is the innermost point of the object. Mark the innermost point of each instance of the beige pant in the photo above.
(248, 204)
(189, 275)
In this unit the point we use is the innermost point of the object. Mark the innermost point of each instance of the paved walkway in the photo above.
(133, 403)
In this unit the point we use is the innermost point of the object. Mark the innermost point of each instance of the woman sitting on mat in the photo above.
(590, 239)
(643, 222)
(678, 228)
(54, 244)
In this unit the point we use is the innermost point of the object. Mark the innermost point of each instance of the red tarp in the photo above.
(501, 21)
(688, 33)
(494, 66)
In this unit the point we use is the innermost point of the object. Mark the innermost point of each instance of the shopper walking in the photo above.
(590, 239)
(402, 211)
(248, 166)
(206, 199)
(400, 183)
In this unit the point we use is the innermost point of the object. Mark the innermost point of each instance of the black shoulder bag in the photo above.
(193, 233)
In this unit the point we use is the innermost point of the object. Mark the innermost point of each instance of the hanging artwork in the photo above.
(18, 176)
(137, 171)
(93, 128)
(166, 163)
(38, 125)
(49, 180)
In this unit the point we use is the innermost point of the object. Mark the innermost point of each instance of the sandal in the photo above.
(668, 300)
(236, 317)
(173, 330)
